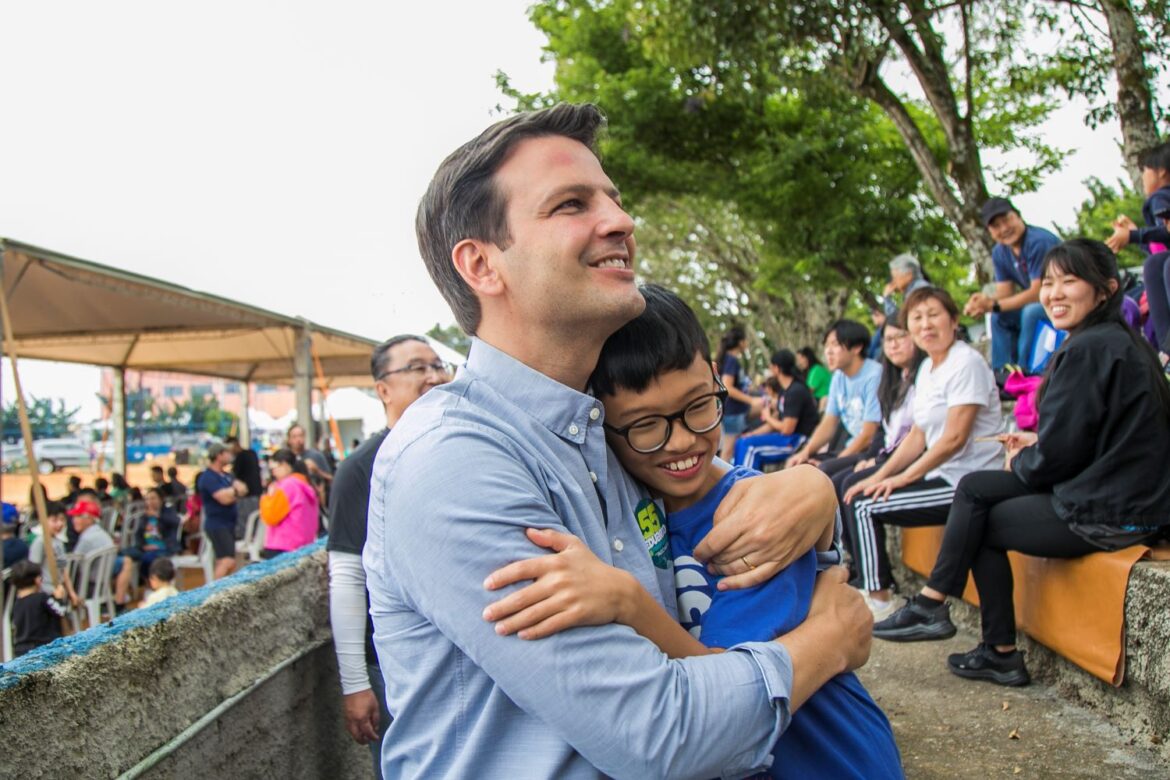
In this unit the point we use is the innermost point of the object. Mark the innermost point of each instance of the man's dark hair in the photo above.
(162, 569)
(159, 469)
(464, 202)
(380, 358)
(24, 574)
(232, 440)
(666, 336)
(173, 472)
(1156, 157)
(75, 482)
(785, 362)
(54, 508)
(102, 484)
(850, 334)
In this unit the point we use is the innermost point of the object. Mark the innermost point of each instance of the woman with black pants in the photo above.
(1091, 479)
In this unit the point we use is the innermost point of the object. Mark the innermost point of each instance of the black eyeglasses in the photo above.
(651, 433)
(438, 368)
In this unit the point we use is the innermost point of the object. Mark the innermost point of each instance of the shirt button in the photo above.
(573, 430)
(617, 545)
(593, 475)
(594, 413)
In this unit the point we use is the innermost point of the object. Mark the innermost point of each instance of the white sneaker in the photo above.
(880, 609)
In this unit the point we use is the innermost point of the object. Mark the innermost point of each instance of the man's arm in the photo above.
(1009, 301)
(347, 617)
(645, 725)
(861, 441)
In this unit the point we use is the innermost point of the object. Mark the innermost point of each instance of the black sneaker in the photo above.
(983, 663)
(913, 623)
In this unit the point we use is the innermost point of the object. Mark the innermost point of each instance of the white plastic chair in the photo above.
(204, 559)
(93, 586)
(130, 523)
(109, 519)
(255, 533)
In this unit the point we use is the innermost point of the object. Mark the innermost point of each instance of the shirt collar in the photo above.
(563, 410)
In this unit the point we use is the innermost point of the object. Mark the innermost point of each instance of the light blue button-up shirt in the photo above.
(469, 467)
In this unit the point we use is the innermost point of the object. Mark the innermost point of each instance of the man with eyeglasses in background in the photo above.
(404, 368)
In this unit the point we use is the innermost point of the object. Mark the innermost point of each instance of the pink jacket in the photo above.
(290, 512)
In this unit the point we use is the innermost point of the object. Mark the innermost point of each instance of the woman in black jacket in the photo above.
(1092, 478)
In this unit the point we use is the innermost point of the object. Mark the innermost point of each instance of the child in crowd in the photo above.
(1155, 237)
(14, 548)
(36, 615)
(54, 525)
(663, 408)
(162, 581)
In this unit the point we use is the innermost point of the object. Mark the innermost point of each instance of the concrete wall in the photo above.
(1140, 706)
(99, 703)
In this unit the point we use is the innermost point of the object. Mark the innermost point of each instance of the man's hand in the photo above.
(764, 524)
(978, 305)
(362, 715)
(798, 458)
(240, 488)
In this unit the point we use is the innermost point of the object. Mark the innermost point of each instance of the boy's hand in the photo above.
(571, 588)
(766, 523)
(1119, 240)
(1124, 223)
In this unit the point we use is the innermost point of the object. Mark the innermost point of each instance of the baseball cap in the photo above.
(994, 207)
(215, 449)
(85, 507)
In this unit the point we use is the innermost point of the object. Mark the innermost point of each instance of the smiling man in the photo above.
(1015, 307)
(525, 236)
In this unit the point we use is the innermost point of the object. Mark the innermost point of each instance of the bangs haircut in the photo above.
(1156, 158)
(666, 336)
(924, 294)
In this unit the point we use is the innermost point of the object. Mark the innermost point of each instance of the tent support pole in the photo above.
(118, 419)
(303, 379)
(245, 425)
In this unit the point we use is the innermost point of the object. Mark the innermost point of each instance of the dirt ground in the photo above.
(14, 488)
(948, 727)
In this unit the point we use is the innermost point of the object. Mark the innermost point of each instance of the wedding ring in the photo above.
(745, 562)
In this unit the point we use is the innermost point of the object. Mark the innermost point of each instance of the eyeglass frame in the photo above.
(441, 368)
(720, 394)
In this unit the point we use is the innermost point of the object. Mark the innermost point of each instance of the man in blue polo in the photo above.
(525, 236)
(1015, 307)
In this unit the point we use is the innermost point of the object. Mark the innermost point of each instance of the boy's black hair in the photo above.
(24, 574)
(162, 569)
(850, 334)
(54, 508)
(1156, 157)
(664, 337)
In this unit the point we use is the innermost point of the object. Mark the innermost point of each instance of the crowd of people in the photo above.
(619, 587)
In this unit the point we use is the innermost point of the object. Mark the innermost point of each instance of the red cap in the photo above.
(85, 508)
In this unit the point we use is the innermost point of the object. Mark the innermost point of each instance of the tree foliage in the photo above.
(453, 336)
(48, 418)
(1094, 218)
(758, 201)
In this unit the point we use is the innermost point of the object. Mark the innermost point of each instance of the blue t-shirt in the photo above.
(215, 514)
(1023, 269)
(839, 732)
(731, 367)
(854, 399)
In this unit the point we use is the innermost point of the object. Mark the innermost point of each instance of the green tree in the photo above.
(452, 335)
(48, 418)
(1094, 218)
(763, 203)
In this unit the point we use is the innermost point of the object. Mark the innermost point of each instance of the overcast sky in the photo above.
(274, 152)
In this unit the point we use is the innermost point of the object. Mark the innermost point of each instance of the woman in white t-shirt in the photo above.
(956, 404)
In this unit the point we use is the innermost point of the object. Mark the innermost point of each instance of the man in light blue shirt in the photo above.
(525, 236)
(853, 399)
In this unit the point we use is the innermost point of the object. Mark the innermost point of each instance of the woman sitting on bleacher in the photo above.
(1092, 478)
(956, 411)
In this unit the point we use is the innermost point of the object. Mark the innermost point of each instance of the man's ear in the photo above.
(475, 262)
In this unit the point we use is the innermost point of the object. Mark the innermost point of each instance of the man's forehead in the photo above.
(411, 350)
(536, 167)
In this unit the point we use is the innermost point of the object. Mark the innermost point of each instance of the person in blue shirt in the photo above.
(663, 405)
(1155, 237)
(1015, 307)
(853, 399)
(525, 236)
(734, 377)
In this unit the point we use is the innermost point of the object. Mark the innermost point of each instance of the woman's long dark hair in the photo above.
(811, 356)
(896, 382)
(1093, 262)
(729, 342)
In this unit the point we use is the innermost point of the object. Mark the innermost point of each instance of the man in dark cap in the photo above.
(1015, 306)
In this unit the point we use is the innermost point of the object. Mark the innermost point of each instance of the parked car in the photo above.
(51, 455)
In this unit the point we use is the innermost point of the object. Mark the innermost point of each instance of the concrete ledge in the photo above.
(1140, 706)
(108, 698)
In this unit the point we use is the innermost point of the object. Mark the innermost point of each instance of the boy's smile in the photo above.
(682, 471)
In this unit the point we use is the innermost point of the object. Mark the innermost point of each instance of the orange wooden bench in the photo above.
(1074, 607)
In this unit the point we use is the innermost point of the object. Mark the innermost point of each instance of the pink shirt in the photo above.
(299, 527)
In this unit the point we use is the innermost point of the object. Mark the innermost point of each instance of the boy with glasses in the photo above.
(663, 405)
